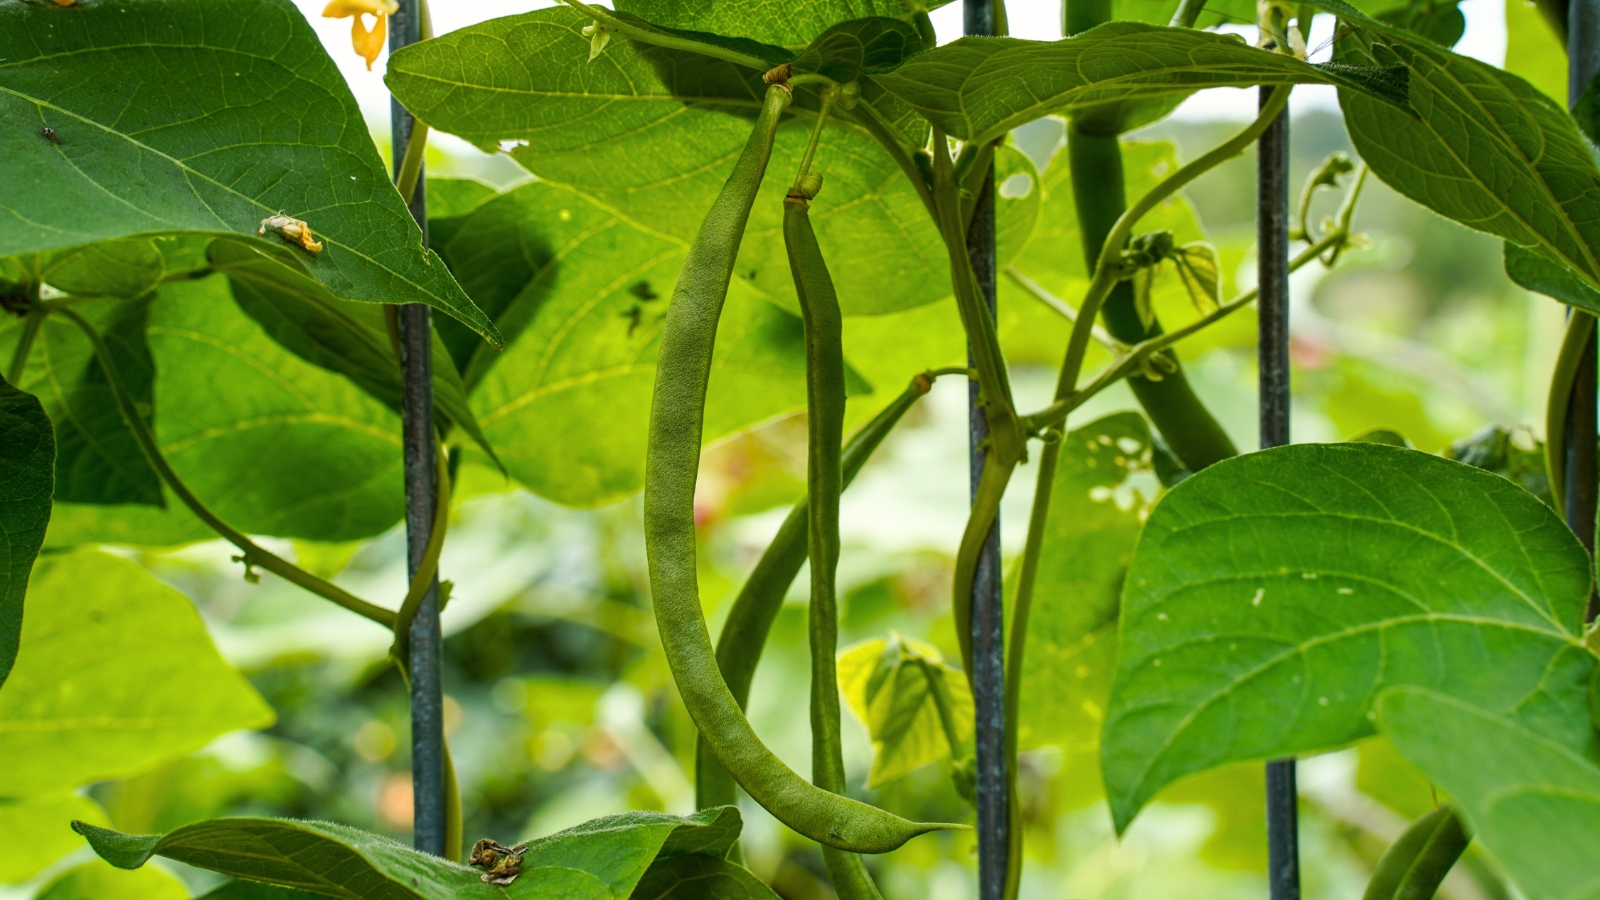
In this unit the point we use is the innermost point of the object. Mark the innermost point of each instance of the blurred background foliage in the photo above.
(560, 708)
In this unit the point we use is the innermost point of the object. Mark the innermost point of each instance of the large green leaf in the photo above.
(843, 51)
(1274, 595)
(977, 89)
(1533, 800)
(652, 134)
(1484, 148)
(580, 294)
(1094, 521)
(338, 335)
(36, 832)
(170, 117)
(28, 451)
(119, 268)
(603, 858)
(151, 687)
(1540, 274)
(786, 23)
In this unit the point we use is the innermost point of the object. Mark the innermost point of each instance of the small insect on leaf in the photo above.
(501, 865)
(50, 134)
(293, 230)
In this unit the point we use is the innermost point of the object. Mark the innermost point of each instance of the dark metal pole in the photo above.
(1272, 249)
(1583, 61)
(988, 625)
(421, 483)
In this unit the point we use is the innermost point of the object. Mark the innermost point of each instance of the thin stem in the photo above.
(886, 134)
(816, 136)
(1056, 413)
(1108, 269)
(411, 164)
(254, 555)
(30, 331)
(1060, 307)
(1580, 327)
(672, 42)
(422, 580)
(1187, 13)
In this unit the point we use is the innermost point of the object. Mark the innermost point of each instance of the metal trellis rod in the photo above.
(1579, 500)
(1272, 250)
(988, 627)
(421, 485)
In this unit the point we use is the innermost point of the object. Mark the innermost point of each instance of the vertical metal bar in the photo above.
(988, 625)
(421, 485)
(1583, 61)
(1272, 249)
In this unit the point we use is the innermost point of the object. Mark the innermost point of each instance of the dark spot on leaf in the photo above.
(643, 291)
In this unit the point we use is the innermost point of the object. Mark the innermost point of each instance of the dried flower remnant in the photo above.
(293, 230)
(501, 865)
(368, 43)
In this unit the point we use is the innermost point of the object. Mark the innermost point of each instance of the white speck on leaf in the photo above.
(1346, 591)
(1260, 593)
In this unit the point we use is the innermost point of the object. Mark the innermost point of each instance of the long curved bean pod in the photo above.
(677, 414)
(819, 308)
(744, 634)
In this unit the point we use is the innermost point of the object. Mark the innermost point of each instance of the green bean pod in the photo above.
(1415, 865)
(819, 308)
(672, 462)
(744, 634)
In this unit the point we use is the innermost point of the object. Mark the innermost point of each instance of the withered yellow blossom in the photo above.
(368, 43)
(293, 230)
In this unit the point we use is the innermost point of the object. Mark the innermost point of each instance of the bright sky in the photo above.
(1033, 19)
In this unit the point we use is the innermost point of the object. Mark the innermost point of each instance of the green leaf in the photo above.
(652, 134)
(602, 858)
(255, 890)
(152, 688)
(1484, 148)
(1532, 799)
(1096, 509)
(581, 294)
(977, 89)
(122, 268)
(897, 688)
(27, 475)
(98, 881)
(451, 198)
(348, 338)
(98, 460)
(1542, 275)
(786, 23)
(37, 832)
(844, 50)
(1274, 595)
(699, 876)
(168, 124)
(1019, 199)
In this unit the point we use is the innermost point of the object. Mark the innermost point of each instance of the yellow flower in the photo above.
(368, 44)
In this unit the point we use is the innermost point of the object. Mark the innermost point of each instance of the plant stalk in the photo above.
(30, 332)
(254, 555)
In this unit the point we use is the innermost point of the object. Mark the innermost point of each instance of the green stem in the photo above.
(422, 580)
(992, 484)
(411, 163)
(1194, 435)
(816, 136)
(1579, 328)
(672, 42)
(893, 141)
(254, 555)
(30, 331)
(1060, 307)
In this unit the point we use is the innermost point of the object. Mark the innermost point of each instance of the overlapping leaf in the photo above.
(27, 473)
(153, 686)
(786, 23)
(977, 89)
(1531, 796)
(581, 294)
(1484, 148)
(1273, 596)
(917, 708)
(652, 134)
(600, 859)
(170, 118)
(1094, 521)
